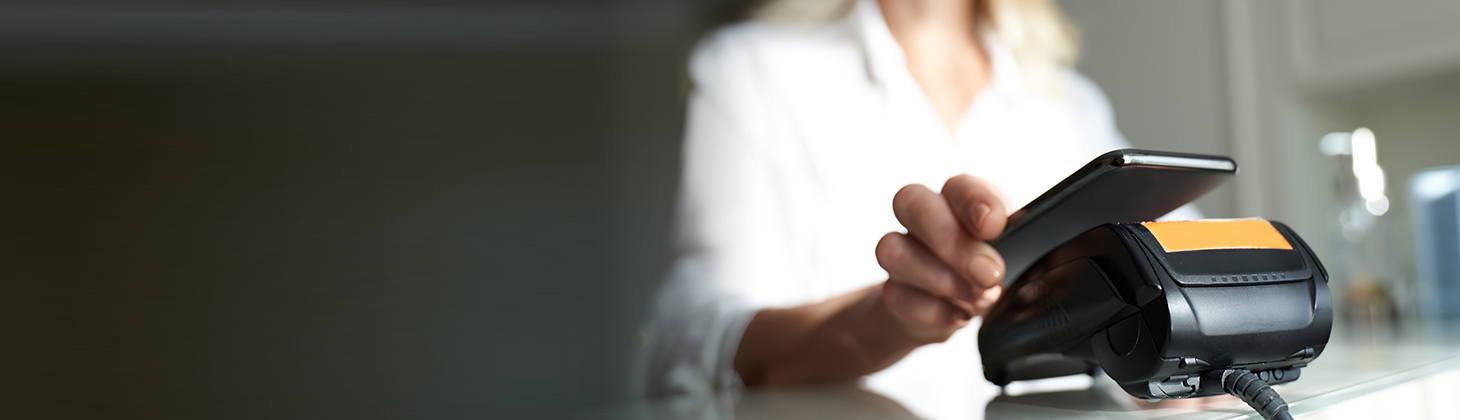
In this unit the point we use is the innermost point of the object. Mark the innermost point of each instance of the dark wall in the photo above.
(331, 209)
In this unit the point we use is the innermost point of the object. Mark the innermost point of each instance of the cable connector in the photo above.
(1256, 393)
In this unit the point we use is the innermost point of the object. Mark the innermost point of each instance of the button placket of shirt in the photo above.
(936, 145)
(981, 119)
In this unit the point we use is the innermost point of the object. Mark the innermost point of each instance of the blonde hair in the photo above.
(1041, 37)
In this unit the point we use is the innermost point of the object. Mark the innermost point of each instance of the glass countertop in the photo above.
(1366, 372)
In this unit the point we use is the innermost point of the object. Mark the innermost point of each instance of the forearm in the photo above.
(839, 339)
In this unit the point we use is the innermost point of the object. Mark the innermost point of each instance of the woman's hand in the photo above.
(943, 272)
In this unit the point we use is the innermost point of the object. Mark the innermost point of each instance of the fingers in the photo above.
(927, 317)
(927, 216)
(930, 219)
(977, 204)
(906, 260)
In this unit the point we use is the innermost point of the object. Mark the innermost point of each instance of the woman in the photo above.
(804, 124)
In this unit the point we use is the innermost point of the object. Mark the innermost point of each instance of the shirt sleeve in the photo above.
(1099, 119)
(730, 245)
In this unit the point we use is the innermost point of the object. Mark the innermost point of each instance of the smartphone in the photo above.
(1121, 186)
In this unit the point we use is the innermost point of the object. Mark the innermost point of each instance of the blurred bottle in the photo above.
(1362, 265)
(1434, 205)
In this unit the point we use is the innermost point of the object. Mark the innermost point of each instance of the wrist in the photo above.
(863, 337)
(891, 330)
(878, 337)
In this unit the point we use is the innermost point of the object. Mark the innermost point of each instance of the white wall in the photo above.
(1263, 81)
(1160, 64)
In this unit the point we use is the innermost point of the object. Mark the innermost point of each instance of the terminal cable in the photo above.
(1256, 393)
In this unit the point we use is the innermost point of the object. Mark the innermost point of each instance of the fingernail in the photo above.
(986, 270)
(993, 294)
(981, 213)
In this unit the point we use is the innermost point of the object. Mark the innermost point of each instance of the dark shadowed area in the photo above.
(317, 209)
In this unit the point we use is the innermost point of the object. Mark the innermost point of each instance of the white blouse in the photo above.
(796, 141)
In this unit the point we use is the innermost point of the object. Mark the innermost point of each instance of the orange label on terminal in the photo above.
(1198, 235)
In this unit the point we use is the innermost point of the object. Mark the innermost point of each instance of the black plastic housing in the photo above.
(1156, 322)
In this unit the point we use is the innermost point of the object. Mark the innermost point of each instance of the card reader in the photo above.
(1168, 310)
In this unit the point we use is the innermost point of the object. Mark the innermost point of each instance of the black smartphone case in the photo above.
(1121, 186)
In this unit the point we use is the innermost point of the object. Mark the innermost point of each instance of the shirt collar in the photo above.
(886, 60)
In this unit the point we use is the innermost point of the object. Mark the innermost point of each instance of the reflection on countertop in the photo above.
(1411, 371)
(841, 401)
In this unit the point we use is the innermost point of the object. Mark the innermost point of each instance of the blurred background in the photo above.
(459, 209)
